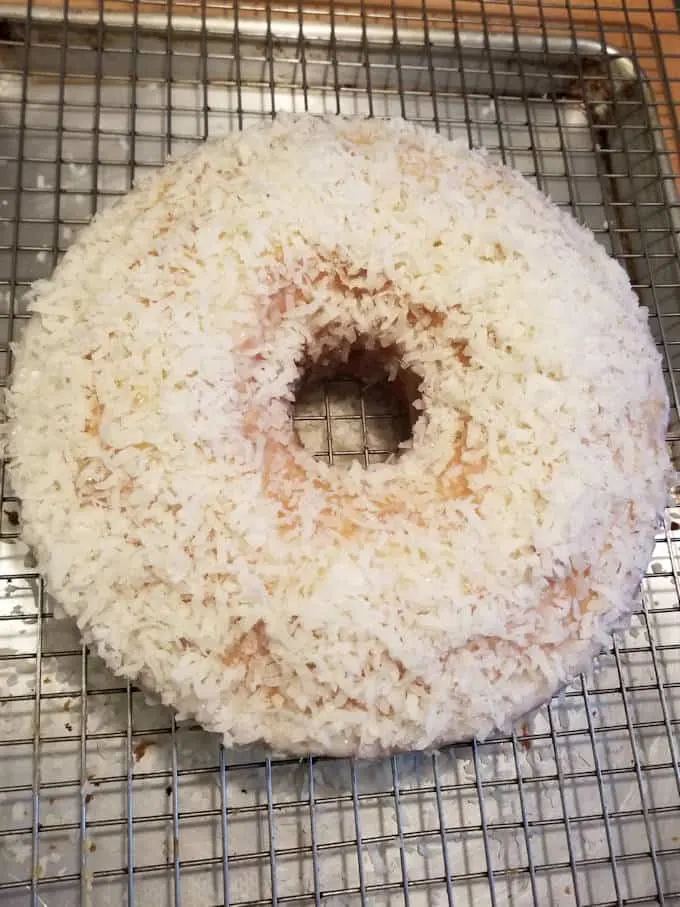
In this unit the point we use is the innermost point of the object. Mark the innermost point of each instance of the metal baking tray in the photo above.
(104, 799)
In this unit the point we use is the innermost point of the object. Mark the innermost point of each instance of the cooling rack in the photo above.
(104, 798)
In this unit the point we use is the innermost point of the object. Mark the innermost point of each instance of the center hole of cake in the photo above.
(359, 405)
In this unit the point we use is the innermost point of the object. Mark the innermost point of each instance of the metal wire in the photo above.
(104, 798)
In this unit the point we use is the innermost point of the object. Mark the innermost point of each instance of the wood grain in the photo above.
(645, 30)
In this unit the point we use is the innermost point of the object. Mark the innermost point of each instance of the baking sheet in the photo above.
(104, 800)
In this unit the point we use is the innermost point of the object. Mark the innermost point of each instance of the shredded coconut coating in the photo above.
(207, 555)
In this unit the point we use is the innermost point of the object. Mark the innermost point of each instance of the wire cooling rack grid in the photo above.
(104, 799)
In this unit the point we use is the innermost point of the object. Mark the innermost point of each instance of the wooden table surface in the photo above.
(646, 30)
